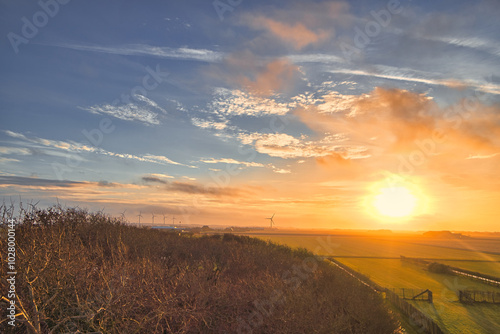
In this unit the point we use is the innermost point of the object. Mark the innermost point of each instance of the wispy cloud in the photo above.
(163, 176)
(193, 189)
(477, 43)
(31, 181)
(288, 147)
(70, 146)
(489, 156)
(159, 159)
(316, 58)
(410, 75)
(128, 112)
(282, 171)
(141, 110)
(209, 123)
(152, 179)
(148, 50)
(232, 162)
(75, 147)
(235, 102)
(14, 150)
(5, 160)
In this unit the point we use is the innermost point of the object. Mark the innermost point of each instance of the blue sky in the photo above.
(215, 110)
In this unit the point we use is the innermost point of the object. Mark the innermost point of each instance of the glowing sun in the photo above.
(396, 202)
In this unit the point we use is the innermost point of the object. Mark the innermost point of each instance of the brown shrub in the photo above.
(81, 272)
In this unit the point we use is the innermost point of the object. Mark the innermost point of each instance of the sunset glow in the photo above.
(204, 114)
(229, 166)
(395, 202)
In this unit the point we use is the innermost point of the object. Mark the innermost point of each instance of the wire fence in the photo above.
(416, 316)
(474, 296)
(413, 294)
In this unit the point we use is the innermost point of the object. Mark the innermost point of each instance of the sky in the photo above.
(227, 112)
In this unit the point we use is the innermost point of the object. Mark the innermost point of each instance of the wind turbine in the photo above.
(173, 221)
(153, 220)
(164, 220)
(271, 221)
(123, 215)
(33, 206)
(140, 216)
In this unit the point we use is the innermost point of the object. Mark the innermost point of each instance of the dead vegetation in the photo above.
(86, 273)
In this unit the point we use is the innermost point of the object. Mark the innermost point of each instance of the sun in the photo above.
(395, 202)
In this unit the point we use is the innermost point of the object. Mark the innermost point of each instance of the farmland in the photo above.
(489, 268)
(378, 258)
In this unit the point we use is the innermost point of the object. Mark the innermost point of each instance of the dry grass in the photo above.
(81, 272)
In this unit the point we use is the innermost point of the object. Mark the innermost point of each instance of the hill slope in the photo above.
(89, 273)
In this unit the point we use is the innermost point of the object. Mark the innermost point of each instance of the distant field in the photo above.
(482, 245)
(446, 310)
(378, 258)
(490, 268)
(376, 247)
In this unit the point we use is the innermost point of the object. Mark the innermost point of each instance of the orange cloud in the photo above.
(275, 76)
(302, 24)
(296, 34)
(456, 84)
(286, 147)
(254, 75)
(392, 121)
(394, 117)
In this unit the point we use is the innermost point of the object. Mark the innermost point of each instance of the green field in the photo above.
(378, 258)
(446, 310)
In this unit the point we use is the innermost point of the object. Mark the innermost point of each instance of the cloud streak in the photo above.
(196, 189)
(30, 181)
(231, 162)
(76, 148)
(148, 50)
(413, 76)
(141, 110)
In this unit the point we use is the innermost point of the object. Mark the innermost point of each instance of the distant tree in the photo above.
(439, 268)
